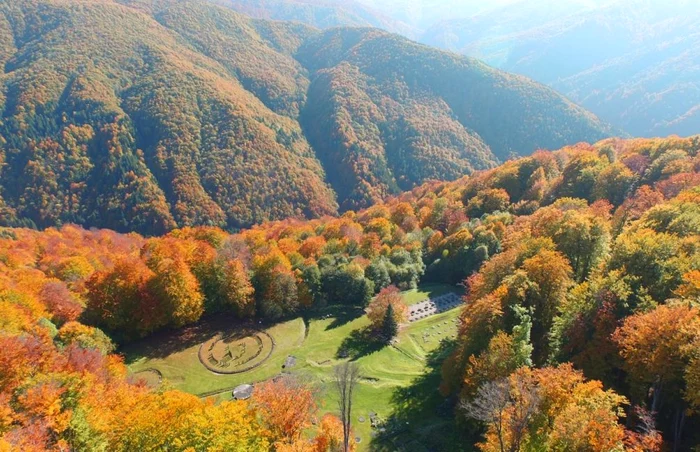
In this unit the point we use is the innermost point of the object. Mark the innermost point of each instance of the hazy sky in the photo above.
(421, 12)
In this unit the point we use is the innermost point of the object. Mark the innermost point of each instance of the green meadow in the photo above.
(398, 382)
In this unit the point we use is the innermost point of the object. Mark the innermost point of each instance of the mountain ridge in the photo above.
(146, 115)
(632, 62)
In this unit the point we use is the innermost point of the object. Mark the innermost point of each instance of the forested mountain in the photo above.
(408, 17)
(410, 112)
(634, 63)
(144, 115)
(580, 322)
(320, 13)
(112, 119)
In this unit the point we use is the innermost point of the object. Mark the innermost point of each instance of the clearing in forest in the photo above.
(216, 355)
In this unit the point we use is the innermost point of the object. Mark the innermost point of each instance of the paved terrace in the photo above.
(433, 306)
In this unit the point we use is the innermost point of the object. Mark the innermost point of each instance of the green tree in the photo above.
(389, 326)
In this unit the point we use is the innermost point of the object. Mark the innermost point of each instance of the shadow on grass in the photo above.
(434, 290)
(422, 419)
(345, 315)
(164, 343)
(360, 343)
(437, 289)
(341, 315)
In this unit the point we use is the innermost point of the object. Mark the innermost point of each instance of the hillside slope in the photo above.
(110, 119)
(149, 114)
(586, 258)
(320, 13)
(634, 63)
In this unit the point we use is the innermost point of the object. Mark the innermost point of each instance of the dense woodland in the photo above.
(144, 115)
(580, 328)
(634, 63)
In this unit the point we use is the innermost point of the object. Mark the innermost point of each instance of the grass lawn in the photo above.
(398, 381)
(182, 370)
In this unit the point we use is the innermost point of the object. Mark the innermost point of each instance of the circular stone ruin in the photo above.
(236, 354)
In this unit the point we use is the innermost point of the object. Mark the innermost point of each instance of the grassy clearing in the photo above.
(319, 342)
(182, 370)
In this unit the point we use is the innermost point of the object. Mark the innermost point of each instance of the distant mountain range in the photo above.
(321, 13)
(634, 63)
(144, 115)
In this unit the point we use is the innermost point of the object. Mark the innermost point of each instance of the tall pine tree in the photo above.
(389, 327)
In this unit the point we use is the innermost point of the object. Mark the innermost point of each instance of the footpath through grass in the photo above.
(407, 370)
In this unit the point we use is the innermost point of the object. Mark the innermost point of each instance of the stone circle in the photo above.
(236, 354)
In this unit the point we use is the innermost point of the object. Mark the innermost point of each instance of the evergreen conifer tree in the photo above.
(389, 327)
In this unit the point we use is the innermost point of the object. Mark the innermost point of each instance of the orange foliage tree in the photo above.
(660, 353)
(286, 406)
(553, 408)
(376, 311)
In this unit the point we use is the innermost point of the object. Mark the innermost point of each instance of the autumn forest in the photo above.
(195, 203)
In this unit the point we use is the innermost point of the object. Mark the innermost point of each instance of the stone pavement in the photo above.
(433, 306)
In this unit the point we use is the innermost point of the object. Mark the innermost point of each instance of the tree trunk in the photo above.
(346, 376)
(656, 397)
(678, 428)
